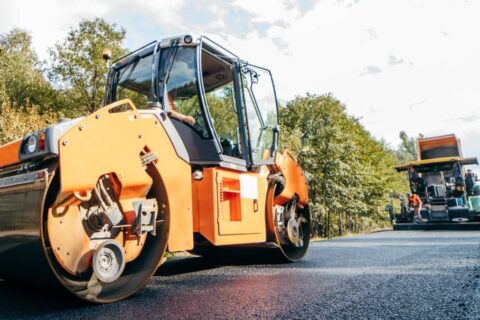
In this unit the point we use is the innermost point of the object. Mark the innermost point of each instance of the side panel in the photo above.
(229, 206)
(112, 141)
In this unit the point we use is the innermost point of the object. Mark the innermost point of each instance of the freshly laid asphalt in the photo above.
(384, 275)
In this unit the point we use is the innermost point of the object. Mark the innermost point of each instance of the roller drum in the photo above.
(22, 255)
(26, 255)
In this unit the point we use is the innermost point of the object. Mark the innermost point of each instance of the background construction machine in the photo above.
(182, 157)
(439, 177)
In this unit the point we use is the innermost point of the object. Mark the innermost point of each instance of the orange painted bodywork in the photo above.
(106, 142)
(295, 180)
(449, 140)
(229, 206)
(9, 153)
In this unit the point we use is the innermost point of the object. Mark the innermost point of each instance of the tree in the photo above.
(350, 173)
(15, 123)
(78, 68)
(21, 76)
(407, 150)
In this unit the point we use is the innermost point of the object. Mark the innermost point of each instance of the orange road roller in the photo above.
(182, 157)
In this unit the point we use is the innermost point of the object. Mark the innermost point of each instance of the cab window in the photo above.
(218, 83)
(261, 109)
(134, 81)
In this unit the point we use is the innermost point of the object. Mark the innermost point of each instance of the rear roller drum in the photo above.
(292, 229)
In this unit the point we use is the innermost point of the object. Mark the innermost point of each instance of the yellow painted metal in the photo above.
(463, 161)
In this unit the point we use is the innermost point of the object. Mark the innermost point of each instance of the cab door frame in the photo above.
(253, 163)
(240, 164)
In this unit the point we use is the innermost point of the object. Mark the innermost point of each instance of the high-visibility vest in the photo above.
(414, 201)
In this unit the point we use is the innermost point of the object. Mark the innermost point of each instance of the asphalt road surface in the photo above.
(385, 275)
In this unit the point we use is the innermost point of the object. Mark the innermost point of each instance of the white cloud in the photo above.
(50, 20)
(165, 12)
(333, 45)
(326, 49)
(270, 11)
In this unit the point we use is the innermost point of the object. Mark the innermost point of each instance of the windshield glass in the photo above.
(134, 81)
(261, 110)
(179, 72)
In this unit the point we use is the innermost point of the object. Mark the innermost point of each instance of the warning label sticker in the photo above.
(248, 187)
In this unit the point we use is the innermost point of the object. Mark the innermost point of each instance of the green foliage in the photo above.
(350, 173)
(221, 108)
(15, 123)
(407, 151)
(78, 69)
(21, 79)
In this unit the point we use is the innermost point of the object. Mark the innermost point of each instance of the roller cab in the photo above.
(183, 156)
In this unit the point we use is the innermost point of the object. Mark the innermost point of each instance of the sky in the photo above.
(396, 65)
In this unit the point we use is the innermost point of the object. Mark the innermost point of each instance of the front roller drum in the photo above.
(25, 244)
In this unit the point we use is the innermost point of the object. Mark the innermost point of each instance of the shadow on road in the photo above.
(18, 300)
(220, 257)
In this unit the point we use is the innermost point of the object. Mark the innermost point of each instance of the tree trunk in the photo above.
(319, 231)
(340, 224)
(327, 231)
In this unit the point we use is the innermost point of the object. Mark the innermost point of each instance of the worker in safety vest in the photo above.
(415, 202)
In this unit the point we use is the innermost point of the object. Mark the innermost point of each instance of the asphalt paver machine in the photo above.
(439, 178)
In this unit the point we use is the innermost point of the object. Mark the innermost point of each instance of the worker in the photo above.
(469, 181)
(415, 202)
(173, 110)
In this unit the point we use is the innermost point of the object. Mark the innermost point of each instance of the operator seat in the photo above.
(227, 147)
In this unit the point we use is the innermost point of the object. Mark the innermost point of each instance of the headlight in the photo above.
(32, 143)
